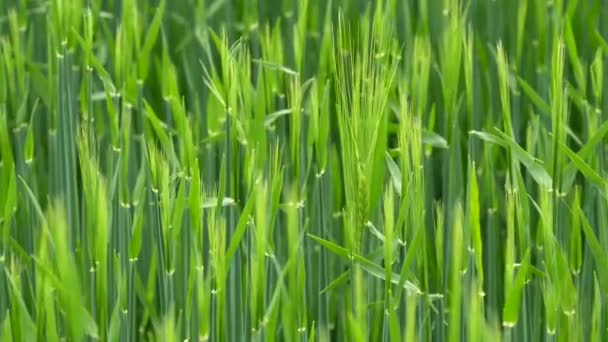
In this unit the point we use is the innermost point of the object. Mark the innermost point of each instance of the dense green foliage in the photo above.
(282, 170)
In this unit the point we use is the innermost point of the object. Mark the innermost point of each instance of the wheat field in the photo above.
(281, 170)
